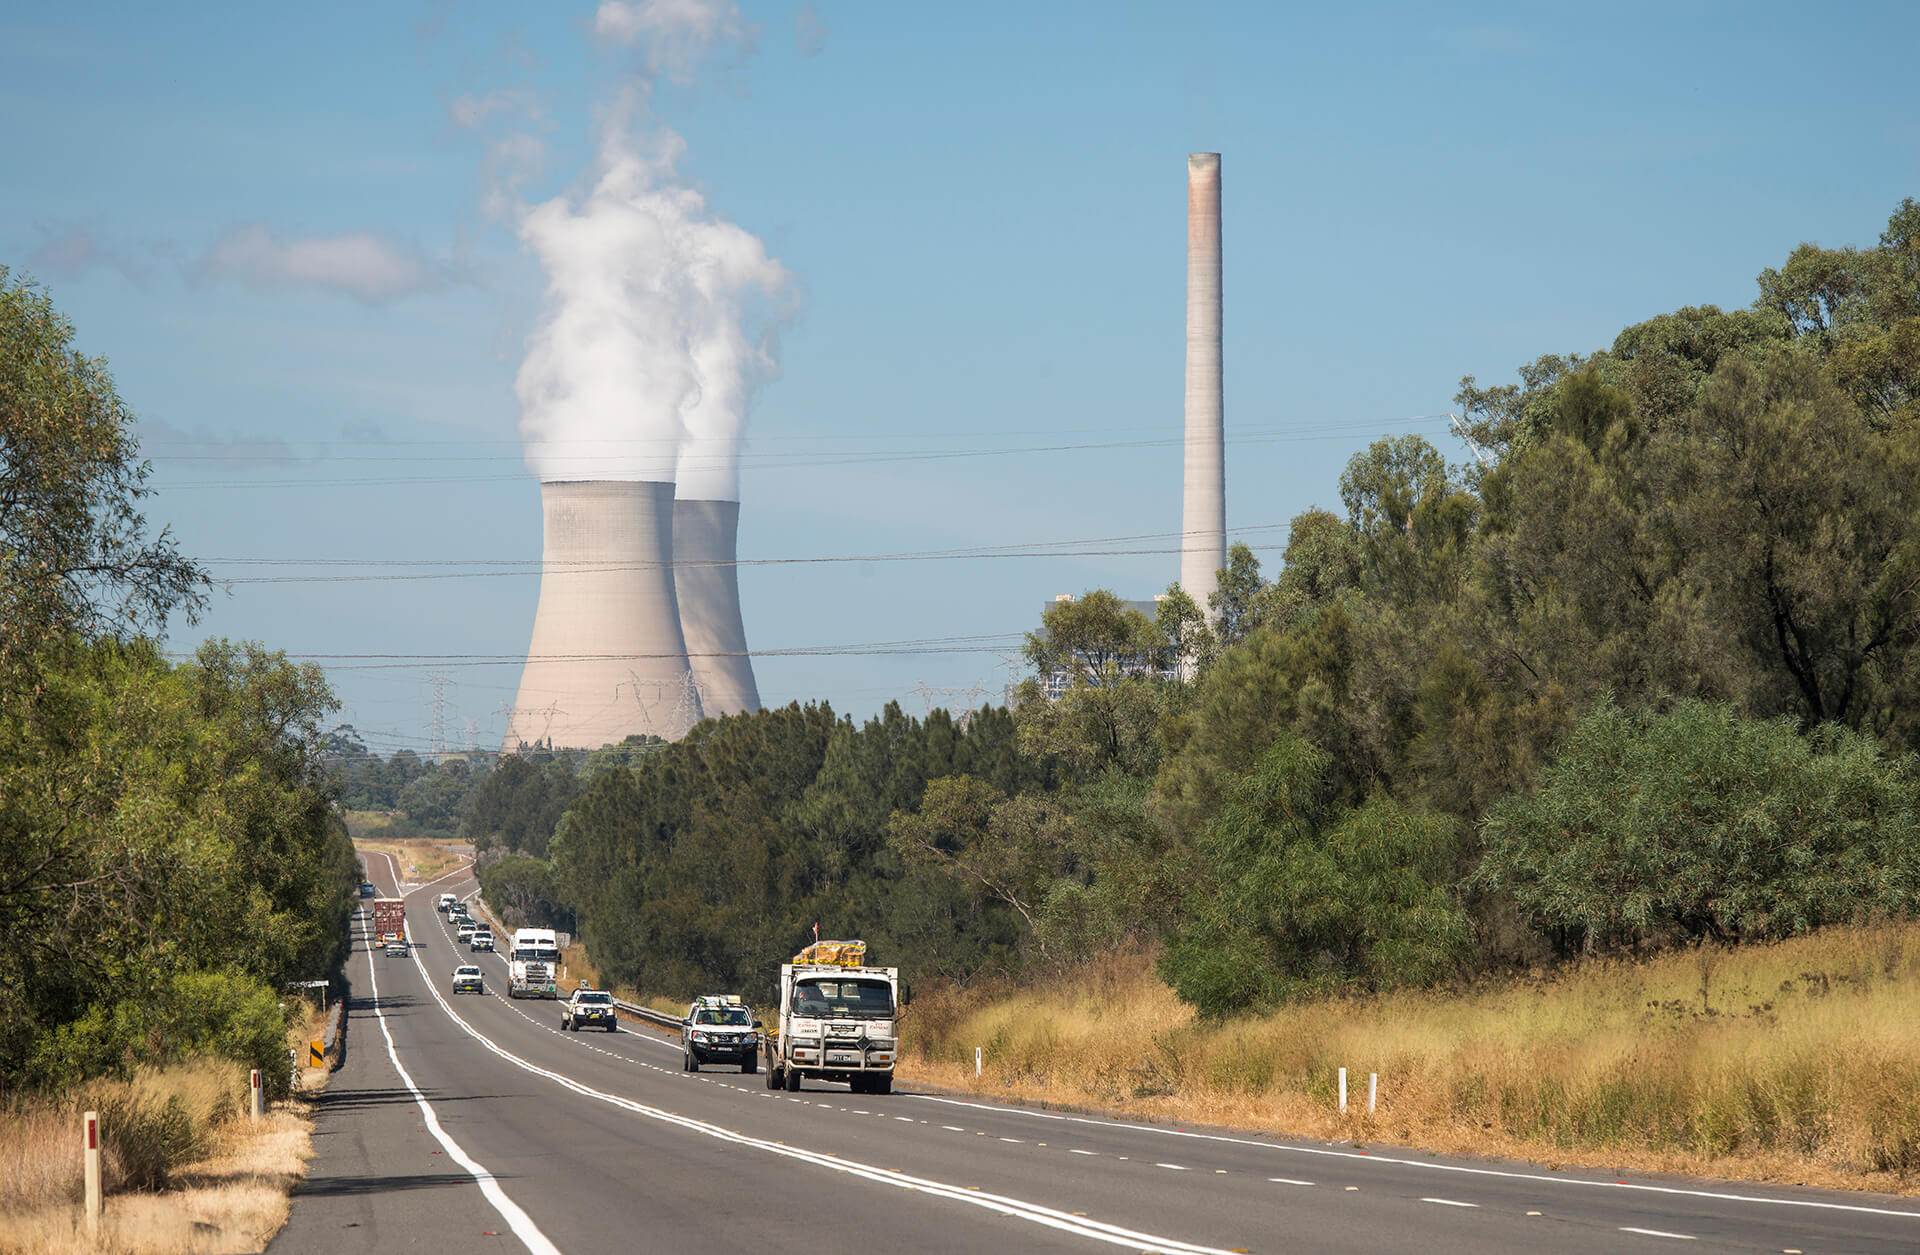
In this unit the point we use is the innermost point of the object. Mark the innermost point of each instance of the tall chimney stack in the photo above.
(1203, 517)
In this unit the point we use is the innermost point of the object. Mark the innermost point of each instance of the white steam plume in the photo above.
(646, 354)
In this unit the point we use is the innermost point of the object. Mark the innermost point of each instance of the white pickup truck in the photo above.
(836, 1020)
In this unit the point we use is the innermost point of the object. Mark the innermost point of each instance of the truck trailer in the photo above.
(390, 919)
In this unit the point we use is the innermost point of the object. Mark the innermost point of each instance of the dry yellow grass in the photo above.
(1792, 1062)
(420, 859)
(231, 1193)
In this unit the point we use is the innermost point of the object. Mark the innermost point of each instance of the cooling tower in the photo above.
(707, 580)
(1203, 546)
(607, 658)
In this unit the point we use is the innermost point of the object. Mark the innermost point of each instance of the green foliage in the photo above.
(1702, 823)
(524, 893)
(517, 806)
(75, 559)
(1296, 897)
(156, 822)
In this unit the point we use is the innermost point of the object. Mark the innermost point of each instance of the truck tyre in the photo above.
(793, 1080)
(614, 1027)
(882, 1084)
(774, 1079)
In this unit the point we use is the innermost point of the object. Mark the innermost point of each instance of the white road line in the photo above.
(1176, 1167)
(1288, 1181)
(1083, 1152)
(1001, 1204)
(517, 1220)
(1448, 1202)
(1287, 1148)
(1659, 1233)
(1016, 1141)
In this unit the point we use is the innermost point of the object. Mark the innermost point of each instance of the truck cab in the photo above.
(533, 964)
(836, 1020)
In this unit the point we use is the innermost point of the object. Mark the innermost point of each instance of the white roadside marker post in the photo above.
(976, 1061)
(93, 1173)
(1373, 1090)
(1343, 1091)
(254, 1081)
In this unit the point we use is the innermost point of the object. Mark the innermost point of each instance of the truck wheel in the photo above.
(882, 1084)
(614, 1027)
(774, 1080)
(793, 1080)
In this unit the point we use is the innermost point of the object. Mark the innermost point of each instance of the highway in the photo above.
(461, 1122)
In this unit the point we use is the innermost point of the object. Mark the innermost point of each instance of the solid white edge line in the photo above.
(1660, 1233)
(1015, 1208)
(517, 1220)
(1716, 1195)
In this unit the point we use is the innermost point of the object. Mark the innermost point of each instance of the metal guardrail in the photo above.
(660, 1018)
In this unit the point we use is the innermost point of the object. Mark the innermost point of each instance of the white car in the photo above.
(467, 929)
(468, 980)
(446, 901)
(482, 939)
(589, 1007)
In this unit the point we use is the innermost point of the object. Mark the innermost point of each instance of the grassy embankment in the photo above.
(1796, 1062)
(183, 1169)
(420, 858)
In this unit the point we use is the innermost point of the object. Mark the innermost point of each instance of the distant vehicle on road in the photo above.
(390, 918)
(482, 939)
(718, 1028)
(533, 964)
(366, 889)
(397, 948)
(589, 1008)
(445, 900)
(466, 930)
(468, 980)
(458, 911)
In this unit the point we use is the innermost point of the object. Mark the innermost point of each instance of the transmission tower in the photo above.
(439, 681)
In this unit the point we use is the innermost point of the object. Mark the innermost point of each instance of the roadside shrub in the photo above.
(224, 1015)
(1704, 824)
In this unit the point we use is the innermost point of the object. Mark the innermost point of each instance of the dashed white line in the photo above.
(1465, 1169)
(1176, 1167)
(1659, 1233)
(1288, 1181)
(1449, 1202)
(1083, 1152)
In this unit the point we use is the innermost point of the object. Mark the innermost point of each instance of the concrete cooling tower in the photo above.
(1203, 544)
(707, 580)
(608, 657)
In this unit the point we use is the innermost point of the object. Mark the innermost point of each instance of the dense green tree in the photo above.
(1703, 823)
(1296, 896)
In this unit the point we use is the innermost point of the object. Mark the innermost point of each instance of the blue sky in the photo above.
(982, 209)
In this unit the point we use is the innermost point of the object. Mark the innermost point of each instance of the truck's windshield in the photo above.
(864, 999)
(537, 956)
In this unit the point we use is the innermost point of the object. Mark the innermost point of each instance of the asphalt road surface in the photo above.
(463, 1123)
